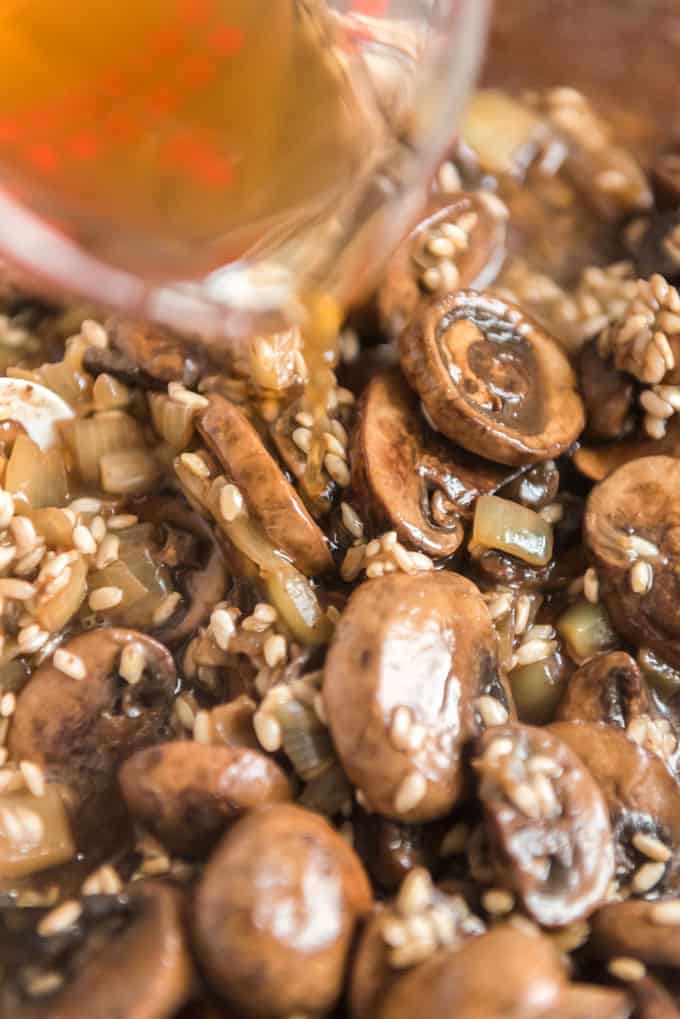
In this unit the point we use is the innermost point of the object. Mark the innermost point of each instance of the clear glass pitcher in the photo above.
(205, 162)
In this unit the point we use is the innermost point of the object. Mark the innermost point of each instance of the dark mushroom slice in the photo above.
(187, 793)
(407, 478)
(390, 849)
(160, 355)
(653, 1000)
(199, 572)
(608, 395)
(632, 529)
(547, 823)
(640, 929)
(458, 243)
(371, 975)
(642, 799)
(503, 973)
(411, 675)
(127, 957)
(80, 731)
(268, 495)
(598, 462)
(275, 913)
(665, 175)
(492, 379)
(609, 688)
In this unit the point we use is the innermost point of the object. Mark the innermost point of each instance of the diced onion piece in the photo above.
(119, 575)
(306, 741)
(172, 421)
(109, 394)
(509, 527)
(39, 477)
(54, 614)
(53, 525)
(92, 438)
(537, 690)
(34, 833)
(586, 630)
(292, 595)
(503, 133)
(128, 472)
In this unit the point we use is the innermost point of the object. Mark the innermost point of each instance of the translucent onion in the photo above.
(145, 583)
(172, 421)
(67, 377)
(128, 472)
(47, 845)
(39, 477)
(537, 689)
(53, 525)
(509, 527)
(54, 614)
(586, 630)
(305, 740)
(92, 438)
(289, 591)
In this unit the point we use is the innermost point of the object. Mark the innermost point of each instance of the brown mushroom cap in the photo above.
(275, 912)
(160, 355)
(547, 823)
(641, 794)
(492, 379)
(188, 793)
(500, 974)
(371, 975)
(637, 928)
(425, 645)
(398, 463)
(476, 253)
(598, 462)
(588, 1001)
(143, 972)
(269, 496)
(609, 688)
(639, 500)
(79, 731)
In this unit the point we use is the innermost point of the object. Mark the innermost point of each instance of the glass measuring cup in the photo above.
(205, 162)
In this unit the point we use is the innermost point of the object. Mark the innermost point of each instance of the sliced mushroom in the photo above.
(371, 975)
(128, 957)
(588, 1001)
(609, 688)
(160, 355)
(79, 731)
(641, 929)
(188, 793)
(654, 245)
(666, 180)
(407, 478)
(598, 462)
(641, 795)
(459, 242)
(201, 578)
(269, 496)
(608, 395)
(653, 1000)
(492, 379)
(500, 974)
(547, 823)
(275, 913)
(411, 674)
(632, 528)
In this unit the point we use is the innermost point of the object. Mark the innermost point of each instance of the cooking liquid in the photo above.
(174, 137)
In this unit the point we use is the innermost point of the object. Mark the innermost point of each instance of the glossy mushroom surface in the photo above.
(492, 379)
(275, 913)
(632, 530)
(410, 674)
